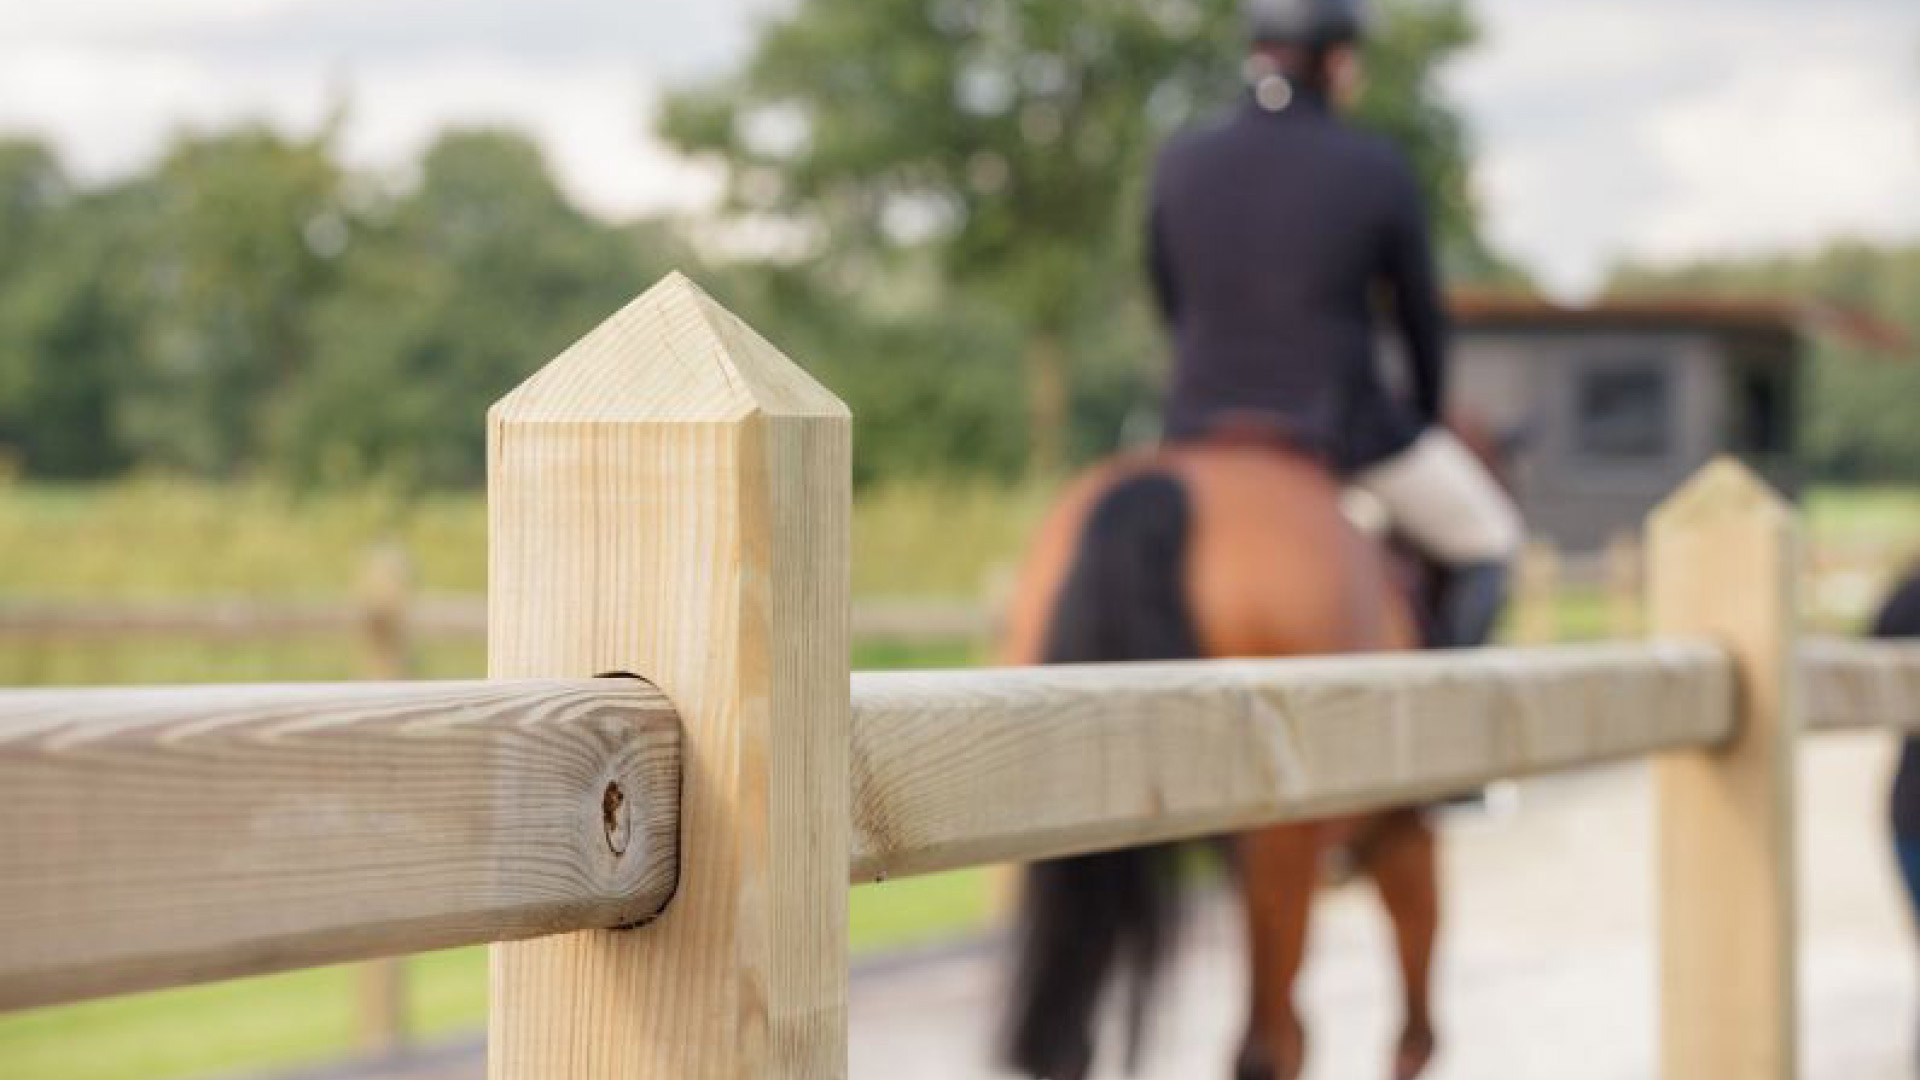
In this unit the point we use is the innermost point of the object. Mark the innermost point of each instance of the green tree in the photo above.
(1403, 101)
(65, 317)
(447, 298)
(236, 237)
(33, 193)
(247, 305)
(928, 384)
(1005, 145)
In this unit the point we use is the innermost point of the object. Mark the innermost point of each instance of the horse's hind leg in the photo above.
(1277, 871)
(1403, 861)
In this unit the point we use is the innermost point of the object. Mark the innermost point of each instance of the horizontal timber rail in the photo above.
(438, 615)
(1861, 684)
(158, 836)
(958, 768)
(451, 615)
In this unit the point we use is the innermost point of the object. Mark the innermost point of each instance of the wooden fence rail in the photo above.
(960, 768)
(1852, 685)
(670, 497)
(429, 615)
(157, 836)
(167, 835)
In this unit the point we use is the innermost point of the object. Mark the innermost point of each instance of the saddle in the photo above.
(1417, 578)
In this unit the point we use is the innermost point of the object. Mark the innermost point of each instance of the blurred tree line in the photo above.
(992, 156)
(1854, 424)
(935, 204)
(247, 304)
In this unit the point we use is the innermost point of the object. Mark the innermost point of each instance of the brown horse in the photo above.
(1211, 550)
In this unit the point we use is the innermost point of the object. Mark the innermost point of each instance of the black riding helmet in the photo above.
(1312, 23)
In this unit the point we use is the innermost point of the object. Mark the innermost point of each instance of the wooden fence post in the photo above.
(1536, 616)
(670, 498)
(386, 579)
(1625, 574)
(1722, 566)
(384, 592)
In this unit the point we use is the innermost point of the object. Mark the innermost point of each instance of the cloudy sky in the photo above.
(1605, 128)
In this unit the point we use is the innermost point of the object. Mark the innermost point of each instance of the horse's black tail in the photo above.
(1094, 922)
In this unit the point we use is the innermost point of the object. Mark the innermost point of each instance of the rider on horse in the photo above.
(1273, 232)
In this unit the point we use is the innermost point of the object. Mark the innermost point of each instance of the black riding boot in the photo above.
(1469, 602)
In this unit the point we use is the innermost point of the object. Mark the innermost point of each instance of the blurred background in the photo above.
(264, 264)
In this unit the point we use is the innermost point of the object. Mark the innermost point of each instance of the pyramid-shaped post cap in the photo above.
(673, 354)
(1727, 487)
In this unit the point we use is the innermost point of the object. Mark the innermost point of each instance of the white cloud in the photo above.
(1605, 128)
(110, 110)
(109, 82)
(1653, 128)
(590, 120)
(1784, 157)
(48, 21)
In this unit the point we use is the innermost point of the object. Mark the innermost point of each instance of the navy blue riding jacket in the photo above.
(1274, 238)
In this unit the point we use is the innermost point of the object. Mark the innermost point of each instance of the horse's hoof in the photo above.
(1414, 1053)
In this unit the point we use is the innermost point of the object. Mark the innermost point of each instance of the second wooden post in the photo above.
(1722, 555)
(386, 579)
(670, 498)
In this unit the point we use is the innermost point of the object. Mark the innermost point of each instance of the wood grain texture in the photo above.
(965, 767)
(671, 497)
(167, 835)
(1861, 684)
(1722, 559)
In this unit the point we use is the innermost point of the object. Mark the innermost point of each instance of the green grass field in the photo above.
(1884, 517)
(154, 539)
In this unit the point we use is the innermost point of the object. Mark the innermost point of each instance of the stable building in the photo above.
(1603, 411)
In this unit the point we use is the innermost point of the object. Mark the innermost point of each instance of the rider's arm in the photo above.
(1415, 286)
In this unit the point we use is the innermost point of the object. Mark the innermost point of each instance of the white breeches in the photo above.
(1439, 496)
